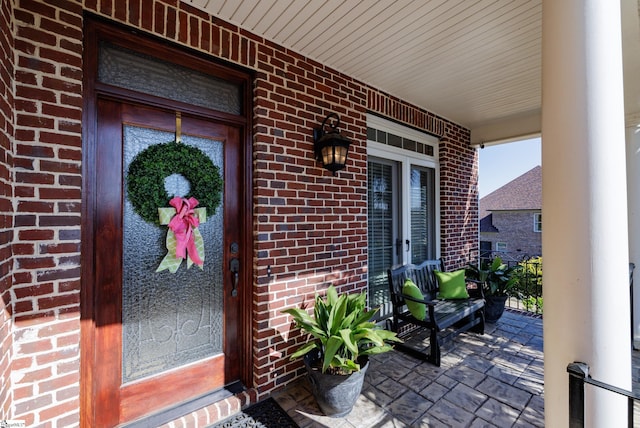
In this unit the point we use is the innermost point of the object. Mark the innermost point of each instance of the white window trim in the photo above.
(536, 222)
(406, 159)
(500, 244)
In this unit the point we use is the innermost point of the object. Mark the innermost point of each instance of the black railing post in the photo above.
(577, 373)
(632, 267)
(578, 376)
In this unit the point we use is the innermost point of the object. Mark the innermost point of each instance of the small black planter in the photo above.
(336, 394)
(494, 307)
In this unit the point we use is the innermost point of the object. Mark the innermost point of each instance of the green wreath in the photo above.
(147, 171)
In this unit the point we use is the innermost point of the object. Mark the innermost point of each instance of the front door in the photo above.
(161, 337)
(159, 331)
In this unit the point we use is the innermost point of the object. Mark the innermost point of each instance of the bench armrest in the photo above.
(423, 301)
(430, 304)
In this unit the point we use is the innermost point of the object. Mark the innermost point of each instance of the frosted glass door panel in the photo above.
(168, 319)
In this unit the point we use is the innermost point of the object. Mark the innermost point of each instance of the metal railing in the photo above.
(527, 294)
(578, 376)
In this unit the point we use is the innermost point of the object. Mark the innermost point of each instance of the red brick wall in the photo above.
(47, 180)
(310, 228)
(458, 197)
(6, 211)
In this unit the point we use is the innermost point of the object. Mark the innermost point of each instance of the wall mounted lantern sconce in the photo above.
(331, 148)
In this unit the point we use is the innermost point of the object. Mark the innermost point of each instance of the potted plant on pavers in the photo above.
(498, 284)
(341, 338)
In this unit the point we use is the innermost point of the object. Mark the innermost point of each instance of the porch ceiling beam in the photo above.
(507, 129)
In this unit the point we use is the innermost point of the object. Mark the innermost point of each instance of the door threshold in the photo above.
(181, 409)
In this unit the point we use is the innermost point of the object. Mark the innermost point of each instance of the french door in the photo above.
(402, 214)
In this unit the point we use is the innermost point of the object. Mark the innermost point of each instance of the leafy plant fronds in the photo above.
(341, 329)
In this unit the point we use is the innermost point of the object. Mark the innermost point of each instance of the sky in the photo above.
(502, 163)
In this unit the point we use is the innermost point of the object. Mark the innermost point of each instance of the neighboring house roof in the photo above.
(522, 193)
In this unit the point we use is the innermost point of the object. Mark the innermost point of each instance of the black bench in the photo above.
(460, 314)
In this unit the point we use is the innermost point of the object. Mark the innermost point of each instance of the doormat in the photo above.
(264, 414)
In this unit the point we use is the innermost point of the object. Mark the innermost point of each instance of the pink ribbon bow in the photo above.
(182, 225)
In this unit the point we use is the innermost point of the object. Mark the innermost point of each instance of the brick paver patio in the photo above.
(490, 380)
(484, 381)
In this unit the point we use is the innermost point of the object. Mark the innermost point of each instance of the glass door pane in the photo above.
(383, 229)
(168, 319)
(422, 214)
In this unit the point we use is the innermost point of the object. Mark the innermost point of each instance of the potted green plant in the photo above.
(498, 284)
(341, 338)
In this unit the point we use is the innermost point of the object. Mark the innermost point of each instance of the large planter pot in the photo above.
(336, 394)
(494, 307)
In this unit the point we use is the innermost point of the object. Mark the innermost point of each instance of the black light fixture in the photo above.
(331, 148)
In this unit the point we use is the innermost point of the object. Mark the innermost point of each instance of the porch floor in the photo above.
(484, 381)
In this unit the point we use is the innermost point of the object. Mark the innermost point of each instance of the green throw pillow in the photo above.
(452, 285)
(418, 310)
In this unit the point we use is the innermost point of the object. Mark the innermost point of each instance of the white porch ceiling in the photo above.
(475, 62)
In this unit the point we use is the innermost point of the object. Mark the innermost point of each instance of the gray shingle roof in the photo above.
(522, 193)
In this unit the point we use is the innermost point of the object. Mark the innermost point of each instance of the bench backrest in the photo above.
(422, 275)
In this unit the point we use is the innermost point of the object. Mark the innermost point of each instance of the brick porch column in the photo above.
(585, 238)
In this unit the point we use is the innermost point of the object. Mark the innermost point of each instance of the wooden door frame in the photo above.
(97, 30)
